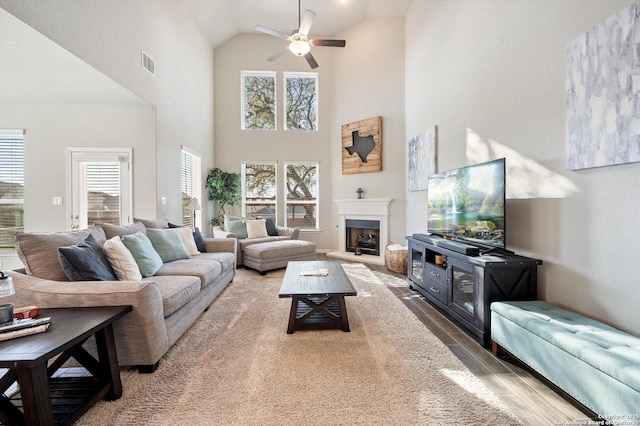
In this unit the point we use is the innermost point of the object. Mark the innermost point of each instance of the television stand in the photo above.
(463, 286)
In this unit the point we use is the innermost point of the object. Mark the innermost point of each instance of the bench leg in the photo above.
(497, 350)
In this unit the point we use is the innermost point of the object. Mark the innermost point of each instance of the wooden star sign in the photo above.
(362, 146)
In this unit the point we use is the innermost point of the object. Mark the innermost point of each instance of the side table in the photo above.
(46, 400)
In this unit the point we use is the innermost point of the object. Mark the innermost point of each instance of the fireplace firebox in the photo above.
(364, 234)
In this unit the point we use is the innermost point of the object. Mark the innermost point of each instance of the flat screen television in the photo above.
(468, 204)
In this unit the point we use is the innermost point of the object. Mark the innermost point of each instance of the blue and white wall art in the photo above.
(422, 159)
(603, 93)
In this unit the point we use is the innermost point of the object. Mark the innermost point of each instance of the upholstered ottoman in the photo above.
(276, 254)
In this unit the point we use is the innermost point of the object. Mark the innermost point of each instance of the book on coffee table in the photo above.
(315, 272)
(23, 327)
(34, 329)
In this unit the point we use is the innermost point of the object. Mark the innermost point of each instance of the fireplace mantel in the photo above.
(363, 209)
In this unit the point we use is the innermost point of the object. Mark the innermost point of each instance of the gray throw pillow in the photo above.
(111, 230)
(199, 239)
(271, 227)
(86, 261)
(148, 260)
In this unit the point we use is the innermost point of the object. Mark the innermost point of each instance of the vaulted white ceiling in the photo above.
(220, 20)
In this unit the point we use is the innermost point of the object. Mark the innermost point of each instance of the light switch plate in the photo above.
(57, 201)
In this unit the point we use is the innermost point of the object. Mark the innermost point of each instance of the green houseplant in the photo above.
(224, 189)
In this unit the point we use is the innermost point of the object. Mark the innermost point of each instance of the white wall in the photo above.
(109, 35)
(233, 145)
(355, 83)
(491, 75)
(369, 82)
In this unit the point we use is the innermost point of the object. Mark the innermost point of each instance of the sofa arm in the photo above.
(141, 335)
(220, 233)
(293, 233)
(216, 245)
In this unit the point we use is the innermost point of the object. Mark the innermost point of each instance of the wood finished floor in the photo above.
(534, 400)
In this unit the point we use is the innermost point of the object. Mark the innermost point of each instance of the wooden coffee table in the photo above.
(46, 400)
(318, 301)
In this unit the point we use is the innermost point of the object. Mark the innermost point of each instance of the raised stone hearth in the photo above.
(367, 210)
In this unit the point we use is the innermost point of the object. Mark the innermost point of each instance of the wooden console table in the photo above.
(46, 400)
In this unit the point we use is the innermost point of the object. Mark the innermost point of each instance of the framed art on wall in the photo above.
(422, 159)
(603, 88)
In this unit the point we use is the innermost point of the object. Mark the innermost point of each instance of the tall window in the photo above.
(100, 186)
(11, 186)
(258, 100)
(301, 101)
(191, 173)
(259, 190)
(302, 201)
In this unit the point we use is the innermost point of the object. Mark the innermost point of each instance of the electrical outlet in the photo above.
(163, 201)
(57, 201)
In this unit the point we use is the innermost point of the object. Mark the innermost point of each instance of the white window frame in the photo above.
(195, 184)
(292, 75)
(244, 189)
(76, 156)
(316, 202)
(15, 133)
(243, 75)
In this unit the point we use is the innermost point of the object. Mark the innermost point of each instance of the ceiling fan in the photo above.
(299, 41)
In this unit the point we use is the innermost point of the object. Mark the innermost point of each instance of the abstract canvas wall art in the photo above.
(603, 93)
(422, 159)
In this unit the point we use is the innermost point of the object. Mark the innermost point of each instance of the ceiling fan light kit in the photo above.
(299, 42)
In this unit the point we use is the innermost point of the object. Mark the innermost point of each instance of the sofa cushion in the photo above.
(206, 270)
(256, 228)
(243, 244)
(148, 260)
(226, 259)
(121, 260)
(168, 243)
(38, 251)
(111, 230)
(85, 261)
(175, 291)
(237, 227)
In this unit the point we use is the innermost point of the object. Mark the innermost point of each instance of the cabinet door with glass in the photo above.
(417, 255)
(463, 290)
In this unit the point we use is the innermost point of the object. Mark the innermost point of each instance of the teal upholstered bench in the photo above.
(596, 364)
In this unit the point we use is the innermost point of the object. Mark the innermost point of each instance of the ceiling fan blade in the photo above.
(277, 54)
(271, 32)
(311, 60)
(332, 43)
(307, 20)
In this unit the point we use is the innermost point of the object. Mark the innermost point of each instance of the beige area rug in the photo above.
(237, 366)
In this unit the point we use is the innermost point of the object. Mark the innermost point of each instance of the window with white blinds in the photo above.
(100, 186)
(11, 186)
(191, 188)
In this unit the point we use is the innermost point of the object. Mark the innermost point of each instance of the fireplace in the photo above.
(363, 211)
(364, 234)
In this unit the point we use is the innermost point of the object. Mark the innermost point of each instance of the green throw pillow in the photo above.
(148, 260)
(168, 243)
(237, 227)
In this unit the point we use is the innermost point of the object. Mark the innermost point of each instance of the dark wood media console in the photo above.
(463, 286)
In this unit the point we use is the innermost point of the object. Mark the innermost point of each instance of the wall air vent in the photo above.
(148, 64)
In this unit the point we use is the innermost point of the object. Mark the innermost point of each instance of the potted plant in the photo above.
(224, 189)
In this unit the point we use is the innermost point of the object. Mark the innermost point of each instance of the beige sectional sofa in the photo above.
(164, 305)
(283, 234)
